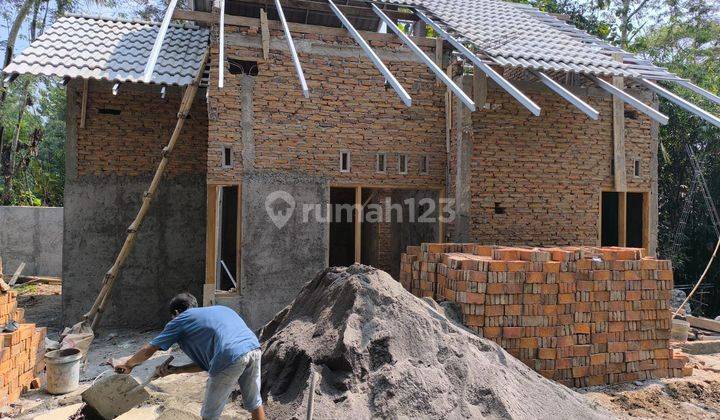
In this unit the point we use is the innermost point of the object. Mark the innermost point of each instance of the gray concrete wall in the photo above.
(32, 235)
(277, 261)
(169, 253)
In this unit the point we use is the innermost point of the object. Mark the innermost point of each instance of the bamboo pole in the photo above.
(98, 307)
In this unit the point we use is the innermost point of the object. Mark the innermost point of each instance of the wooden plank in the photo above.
(479, 88)
(209, 18)
(646, 222)
(16, 276)
(39, 279)
(358, 224)
(83, 108)
(265, 33)
(619, 133)
(622, 219)
(703, 323)
(210, 235)
(441, 224)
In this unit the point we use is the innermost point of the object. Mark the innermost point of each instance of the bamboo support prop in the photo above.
(109, 280)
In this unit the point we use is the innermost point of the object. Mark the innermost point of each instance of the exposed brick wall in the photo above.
(349, 109)
(547, 172)
(129, 144)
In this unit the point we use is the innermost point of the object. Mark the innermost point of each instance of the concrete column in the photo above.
(464, 143)
(653, 213)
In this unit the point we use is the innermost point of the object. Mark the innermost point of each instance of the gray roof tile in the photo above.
(115, 50)
(518, 35)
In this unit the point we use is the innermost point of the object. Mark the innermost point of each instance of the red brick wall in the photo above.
(548, 171)
(349, 109)
(129, 144)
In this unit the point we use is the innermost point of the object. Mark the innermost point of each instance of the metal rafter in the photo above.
(504, 83)
(296, 60)
(569, 96)
(631, 100)
(700, 91)
(155, 52)
(682, 103)
(371, 55)
(221, 61)
(425, 59)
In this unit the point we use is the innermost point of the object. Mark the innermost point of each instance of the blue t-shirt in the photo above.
(213, 337)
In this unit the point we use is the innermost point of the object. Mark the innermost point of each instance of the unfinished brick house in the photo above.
(539, 134)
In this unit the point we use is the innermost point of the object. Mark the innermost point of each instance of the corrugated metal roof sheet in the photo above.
(115, 50)
(516, 36)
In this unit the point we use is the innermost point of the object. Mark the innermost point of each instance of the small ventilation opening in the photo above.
(632, 115)
(108, 111)
(637, 167)
(380, 162)
(403, 164)
(424, 164)
(344, 161)
(227, 157)
(499, 209)
(243, 67)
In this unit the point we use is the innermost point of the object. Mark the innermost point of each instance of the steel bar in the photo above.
(504, 83)
(682, 103)
(221, 60)
(291, 45)
(631, 100)
(425, 59)
(155, 53)
(700, 91)
(371, 55)
(569, 96)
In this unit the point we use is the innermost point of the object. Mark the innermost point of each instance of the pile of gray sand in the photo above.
(381, 352)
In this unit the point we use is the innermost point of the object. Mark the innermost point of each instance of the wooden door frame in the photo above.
(211, 239)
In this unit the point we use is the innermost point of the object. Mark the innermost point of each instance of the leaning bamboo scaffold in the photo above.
(94, 315)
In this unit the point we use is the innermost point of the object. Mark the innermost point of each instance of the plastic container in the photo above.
(680, 330)
(62, 370)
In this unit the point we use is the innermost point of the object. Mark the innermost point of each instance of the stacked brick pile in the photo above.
(579, 315)
(21, 352)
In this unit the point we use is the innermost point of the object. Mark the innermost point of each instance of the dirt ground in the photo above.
(179, 397)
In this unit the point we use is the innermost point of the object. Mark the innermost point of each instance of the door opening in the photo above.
(635, 222)
(227, 264)
(342, 226)
(609, 222)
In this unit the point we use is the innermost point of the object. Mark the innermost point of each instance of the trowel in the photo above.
(115, 394)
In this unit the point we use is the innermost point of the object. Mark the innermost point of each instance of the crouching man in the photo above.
(217, 340)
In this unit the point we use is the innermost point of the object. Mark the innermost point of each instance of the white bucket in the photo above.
(62, 370)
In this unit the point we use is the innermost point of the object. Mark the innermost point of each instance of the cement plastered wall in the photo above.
(109, 165)
(32, 235)
(277, 261)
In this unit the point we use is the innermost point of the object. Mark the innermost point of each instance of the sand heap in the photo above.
(381, 352)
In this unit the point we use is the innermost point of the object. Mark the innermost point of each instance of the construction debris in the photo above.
(579, 315)
(381, 352)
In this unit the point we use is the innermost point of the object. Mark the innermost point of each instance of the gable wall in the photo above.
(547, 172)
